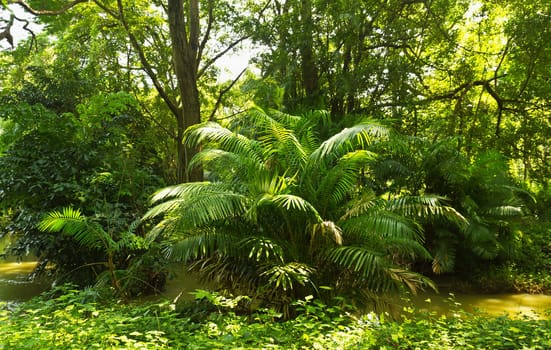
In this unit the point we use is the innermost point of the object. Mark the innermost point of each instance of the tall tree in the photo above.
(192, 25)
(471, 70)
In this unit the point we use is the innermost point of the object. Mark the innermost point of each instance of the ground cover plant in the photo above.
(67, 318)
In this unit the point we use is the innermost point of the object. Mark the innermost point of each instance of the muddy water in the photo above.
(14, 282)
(512, 305)
(15, 286)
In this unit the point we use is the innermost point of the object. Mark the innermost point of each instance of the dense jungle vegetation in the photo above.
(370, 148)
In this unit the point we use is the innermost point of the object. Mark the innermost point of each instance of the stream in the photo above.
(15, 286)
(14, 282)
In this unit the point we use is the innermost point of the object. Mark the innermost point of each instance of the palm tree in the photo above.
(483, 192)
(286, 215)
(479, 188)
(91, 235)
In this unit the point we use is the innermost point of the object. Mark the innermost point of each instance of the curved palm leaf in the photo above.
(284, 276)
(326, 230)
(338, 181)
(383, 224)
(198, 204)
(277, 137)
(226, 164)
(263, 249)
(413, 280)
(203, 245)
(367, 263)
(425, 206)
(349, 139)
(444, 251)
(292, 202)
(72, 223)
(503, 211)
(211, 132)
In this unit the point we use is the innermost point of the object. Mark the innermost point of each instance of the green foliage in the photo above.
(287, 213)
(71, 319)
(480, 190)
(124, 248)
(98, 160)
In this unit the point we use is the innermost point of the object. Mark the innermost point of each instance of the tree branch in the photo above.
(213, 60)
(223, 92)
(6, 33)
(143, 60)
(35, 12)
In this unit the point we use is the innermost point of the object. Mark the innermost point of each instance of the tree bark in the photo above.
(184, 54)
(310, 79)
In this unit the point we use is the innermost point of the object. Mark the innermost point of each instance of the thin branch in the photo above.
(36, 12)
(110, 12)
(213, 60)
(231, 116)
(505, 51)
(223, 92)
(145, 63)
(206, 37)
(465, 86)
(154, 120)
(29, 30)
(6, 33)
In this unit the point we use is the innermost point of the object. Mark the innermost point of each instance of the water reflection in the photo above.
(15, 284)
(512, 305)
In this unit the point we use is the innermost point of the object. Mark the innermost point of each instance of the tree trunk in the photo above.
(310, 78)
(184, 54)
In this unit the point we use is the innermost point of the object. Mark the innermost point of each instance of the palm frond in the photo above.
(358, 136)
(360, 204)
(326, 230)
(285, 276)
(292, 202)
(391, 169)
(263, 249)
(211, 132)
(72, 223)
(405, 248)
(130, 241)
(504, 211)
(413, 280)
(444, 252)
(227, 163)
(201, 211)
(201, 245)
(269, 183)
(198, 203)
(482, 240)
(338, 181)
(425, 206)
(276, 140)
(287, 120)
(383, 224)
(367, 263)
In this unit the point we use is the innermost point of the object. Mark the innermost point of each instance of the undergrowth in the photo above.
(73, 319)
